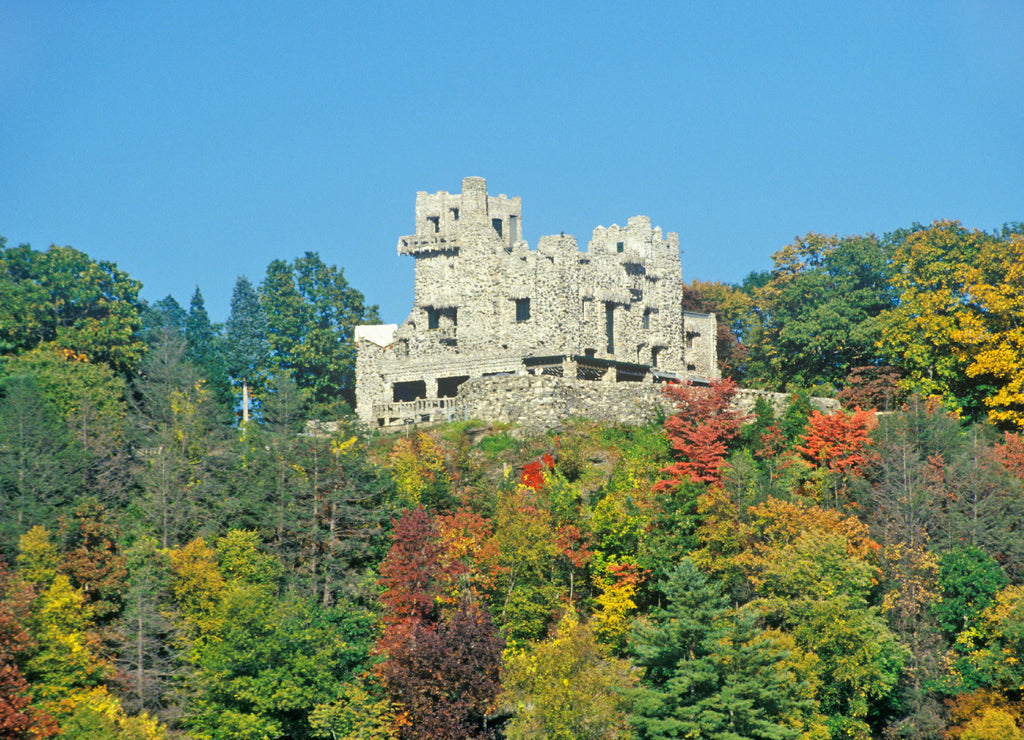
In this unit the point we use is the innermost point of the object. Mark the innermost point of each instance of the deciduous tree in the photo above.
(700, 430)
(312, 312)
(64, 298)
(567, 687)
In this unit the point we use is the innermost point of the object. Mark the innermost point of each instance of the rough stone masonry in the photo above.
(488, 310)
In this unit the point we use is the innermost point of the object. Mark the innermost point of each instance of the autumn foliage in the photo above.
(838, 442)
(700, 430)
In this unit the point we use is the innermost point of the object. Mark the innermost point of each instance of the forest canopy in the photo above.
(169, 570)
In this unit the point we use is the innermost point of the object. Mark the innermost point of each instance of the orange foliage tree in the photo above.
(838, 443)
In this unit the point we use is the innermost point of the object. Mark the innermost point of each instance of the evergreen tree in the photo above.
(712, 673)
(41, 466)
(204, 347)
(248, 346)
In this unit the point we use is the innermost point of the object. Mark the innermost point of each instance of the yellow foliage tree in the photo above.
(993, 338)
(923, 333)
(418, 468)
(567, 687)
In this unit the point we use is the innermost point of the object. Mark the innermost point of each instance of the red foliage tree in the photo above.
(533, 472)
(93, 561)
(838, 443)
(872, 387)
(1011, 454)
(445, 677)
(18, 719)
(700, 431)
(413, 571)
(440, 666)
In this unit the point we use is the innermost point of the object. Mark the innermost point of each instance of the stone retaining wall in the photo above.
(539, 402)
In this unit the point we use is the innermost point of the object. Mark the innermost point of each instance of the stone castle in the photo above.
(501, 332)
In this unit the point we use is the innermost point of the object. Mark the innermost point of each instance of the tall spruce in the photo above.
(248, 346)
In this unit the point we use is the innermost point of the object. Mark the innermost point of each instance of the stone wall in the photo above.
(539, 402)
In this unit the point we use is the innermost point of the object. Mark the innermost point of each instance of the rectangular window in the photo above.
(647, 319)
(436, 220)
(433, 318)
(455, 214)
(496, 223)
(522, 310)
(410, 390)
(609, 326)
(620, 246)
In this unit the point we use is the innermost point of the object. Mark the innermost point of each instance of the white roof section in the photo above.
(380, 334)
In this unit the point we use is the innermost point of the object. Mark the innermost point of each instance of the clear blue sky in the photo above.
(191, 142)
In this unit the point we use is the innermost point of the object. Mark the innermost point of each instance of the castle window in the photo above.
(436, 220)
(689, 338)
(647, 319)
(434, 316)
(455, 214)
(409, 390)
(496, 223)
(522, 310)
(635, 294)
(449, 387)
(654, 356)
(620, 246)
(609, 326)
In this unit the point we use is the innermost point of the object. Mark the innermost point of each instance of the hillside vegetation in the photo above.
(169, 570)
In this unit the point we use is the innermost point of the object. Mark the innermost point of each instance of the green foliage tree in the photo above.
(179, 443)
(818, 313)
(821, 595)
(41, 467)
(205, 349)
(709, 672)
(994, 645)
(312, 312)
(64, 298)
(969, 580)
(146, 651)
(89, 397)
(162, 321)
(261, 662)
